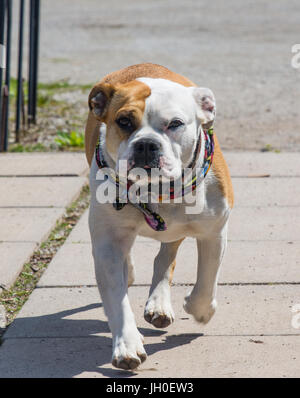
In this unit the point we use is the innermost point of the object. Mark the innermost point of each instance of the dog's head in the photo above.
(153, 123)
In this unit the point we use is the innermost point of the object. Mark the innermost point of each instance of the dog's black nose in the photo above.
(146, 152)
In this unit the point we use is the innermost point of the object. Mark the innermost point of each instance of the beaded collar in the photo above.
(153, 219)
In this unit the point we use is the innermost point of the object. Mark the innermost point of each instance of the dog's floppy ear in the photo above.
(206, 102)
(99, 99)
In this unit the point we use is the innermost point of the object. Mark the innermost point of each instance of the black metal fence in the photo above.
(23, 115)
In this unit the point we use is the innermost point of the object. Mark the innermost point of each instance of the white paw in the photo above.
(128, 353)
(159, 311)
(201, 309)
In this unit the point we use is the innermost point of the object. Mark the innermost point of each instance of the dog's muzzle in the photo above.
(146, 154)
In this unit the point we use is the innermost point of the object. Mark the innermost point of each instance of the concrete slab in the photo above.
(266, 192)
(81, 233)
(265, 223)
(77, 312)
(244, 262)
(172, 355)
(256, 223)
(20, 164)
(39, 191)
(257, 262)
(27, 225)
(252, 163)
(72, 266)
(13, 257)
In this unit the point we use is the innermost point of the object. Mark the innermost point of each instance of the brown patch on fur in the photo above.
(145, 70)
(173, 265)
(221, 172)
(107, 91)
(128, 99)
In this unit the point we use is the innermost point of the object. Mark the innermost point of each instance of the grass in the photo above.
(15, 297)
(269, 148)
(61, 115)
(63, 84)
(28, 148)
(50, 88)
(72, 139)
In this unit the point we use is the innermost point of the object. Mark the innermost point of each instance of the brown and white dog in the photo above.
(153, 117)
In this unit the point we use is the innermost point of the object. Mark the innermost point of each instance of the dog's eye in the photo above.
(125, 123)
(174, 124)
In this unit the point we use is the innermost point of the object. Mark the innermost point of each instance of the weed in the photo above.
(27, 148)
(269, 148)
(72, 139)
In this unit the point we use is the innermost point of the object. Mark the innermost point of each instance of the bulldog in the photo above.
(151, 118)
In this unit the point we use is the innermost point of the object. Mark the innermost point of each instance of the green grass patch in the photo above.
(61, 114)
(46, 91)
(72, 139)
(64, 85)
(269, 148)
(28, 148)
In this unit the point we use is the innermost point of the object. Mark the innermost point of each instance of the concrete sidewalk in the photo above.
(35, 190)
(62, 331)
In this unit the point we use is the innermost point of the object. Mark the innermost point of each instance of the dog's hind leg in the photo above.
(158, 309)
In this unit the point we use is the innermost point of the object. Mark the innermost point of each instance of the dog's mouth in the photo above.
(156, 175)
(150, 167)
(141, 173)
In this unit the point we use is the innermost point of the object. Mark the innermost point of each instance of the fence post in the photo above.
(33, 59)
(2, 22)
(5, 38)
(20, 78)
(5, 114)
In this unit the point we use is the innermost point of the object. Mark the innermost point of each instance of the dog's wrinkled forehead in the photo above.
(167, 101)
(160, 98)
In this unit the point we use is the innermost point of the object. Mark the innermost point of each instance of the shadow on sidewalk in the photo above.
(56, 345)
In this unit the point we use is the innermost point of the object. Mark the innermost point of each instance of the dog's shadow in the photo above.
(56, 346)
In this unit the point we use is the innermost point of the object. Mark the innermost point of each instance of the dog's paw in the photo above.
(128, 354)
(159, 312)
(201, 309)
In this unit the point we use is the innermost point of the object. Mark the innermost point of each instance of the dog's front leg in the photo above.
(158, 309)
(201, 302)
(111, 270)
